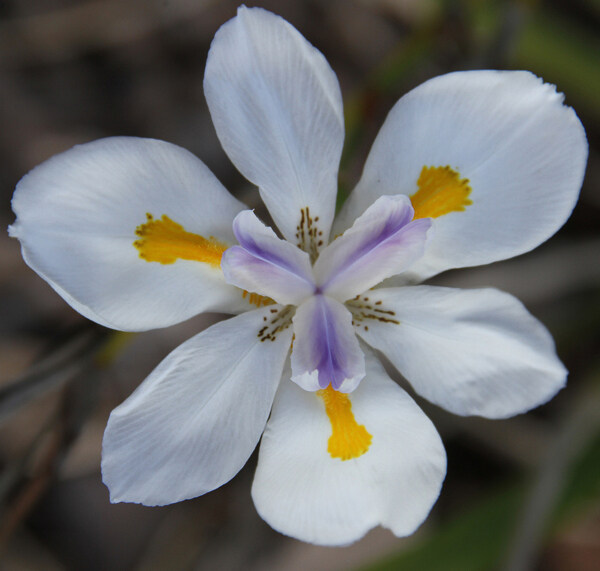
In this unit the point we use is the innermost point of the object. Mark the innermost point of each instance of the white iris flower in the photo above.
(469, 168)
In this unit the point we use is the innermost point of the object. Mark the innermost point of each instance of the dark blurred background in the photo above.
(520, 494)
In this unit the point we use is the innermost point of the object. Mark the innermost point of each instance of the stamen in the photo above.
(310, 238)
(279, 320)
(441, 191)
(361, 309)
(165, 241)
(348, 438)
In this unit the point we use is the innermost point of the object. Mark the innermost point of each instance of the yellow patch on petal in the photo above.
(348, 438)
(441, 190)
(163, 240)
(256, 299)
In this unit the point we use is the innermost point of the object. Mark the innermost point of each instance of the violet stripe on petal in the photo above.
(260, 241)
(330, 365)
(382, 242)
(326, 350)
(265, 264)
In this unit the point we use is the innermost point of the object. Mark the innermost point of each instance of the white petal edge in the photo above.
(277, 108)
(265, 264)
(301, 491)
(472, 352)
(193, 423)
(76, 219)
(523, 151)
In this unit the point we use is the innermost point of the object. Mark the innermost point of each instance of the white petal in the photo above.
(77, 214)
(193, 423)
(326, 350)
(277, 108)
(301, 491)
(265, 264)
(472, 352)
(383, 241)
(509, 134)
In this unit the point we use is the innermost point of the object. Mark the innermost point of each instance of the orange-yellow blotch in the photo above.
(164, 241)
(441, 190)
(348, 438)
(256, 299)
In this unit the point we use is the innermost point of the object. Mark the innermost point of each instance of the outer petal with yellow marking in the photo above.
(472, 352)
(129, 231)
(277, 108)
(495, 157)
(193, 423)
(302, 491)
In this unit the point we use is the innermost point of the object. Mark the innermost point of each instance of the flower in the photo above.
(469, 168)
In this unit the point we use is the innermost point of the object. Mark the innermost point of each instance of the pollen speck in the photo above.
(258, 300)
(165, 241)
(348, 438)
(441, 191)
